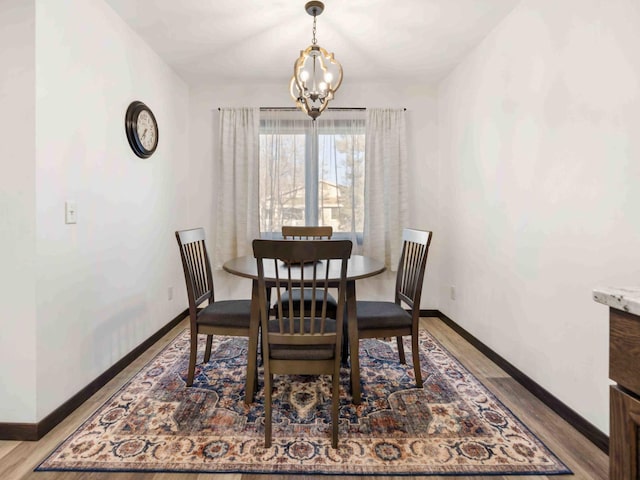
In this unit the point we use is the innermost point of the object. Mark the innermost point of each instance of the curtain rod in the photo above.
(293, 109)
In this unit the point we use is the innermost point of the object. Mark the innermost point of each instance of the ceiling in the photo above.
(216, 41)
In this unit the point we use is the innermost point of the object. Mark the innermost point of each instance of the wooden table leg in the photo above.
(354, 343)
(251, 383)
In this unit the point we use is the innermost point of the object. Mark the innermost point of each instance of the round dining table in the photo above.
(359, 266)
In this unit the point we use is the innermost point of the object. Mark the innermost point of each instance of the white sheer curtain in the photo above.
(278, 168)
(312, 173)
(385, 185)
(238, 221)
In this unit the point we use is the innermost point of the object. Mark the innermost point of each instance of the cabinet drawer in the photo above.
(624, 349)
(624, 443)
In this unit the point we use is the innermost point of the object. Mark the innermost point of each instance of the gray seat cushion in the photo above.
(332, 304)
(302, 352)
(226, 313)
(377, 315)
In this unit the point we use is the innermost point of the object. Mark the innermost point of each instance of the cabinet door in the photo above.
(624, 349)
(624, 438)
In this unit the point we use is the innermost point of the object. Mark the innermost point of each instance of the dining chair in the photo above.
(296, 343)
(386, 319)
(222, 317)
(290, 232)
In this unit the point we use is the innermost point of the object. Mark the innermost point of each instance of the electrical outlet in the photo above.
(70, 212)
(170, 293)
(452, 292)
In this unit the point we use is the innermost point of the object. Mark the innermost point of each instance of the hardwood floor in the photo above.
(18, 459)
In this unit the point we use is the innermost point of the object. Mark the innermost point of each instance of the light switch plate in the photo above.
(70, 212)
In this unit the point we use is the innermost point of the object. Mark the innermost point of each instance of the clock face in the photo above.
(142, 129)
(146, 130)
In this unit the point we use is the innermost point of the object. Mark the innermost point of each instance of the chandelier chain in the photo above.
(313, 40)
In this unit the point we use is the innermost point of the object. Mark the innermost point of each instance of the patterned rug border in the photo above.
(562, 470)
(565, 471)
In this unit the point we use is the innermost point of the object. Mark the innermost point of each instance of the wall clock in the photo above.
(142, 129)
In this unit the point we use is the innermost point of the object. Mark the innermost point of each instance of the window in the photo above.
(312, 174)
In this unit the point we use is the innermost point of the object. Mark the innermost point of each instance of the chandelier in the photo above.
(316, 74)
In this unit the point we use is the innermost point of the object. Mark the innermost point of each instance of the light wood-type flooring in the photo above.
(18, 459)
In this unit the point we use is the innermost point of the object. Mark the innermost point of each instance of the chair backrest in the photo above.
(306, 233)
(413, 262)
(309, 265)
(196, 266)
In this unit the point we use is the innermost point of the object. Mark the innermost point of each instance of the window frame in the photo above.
(289, 125)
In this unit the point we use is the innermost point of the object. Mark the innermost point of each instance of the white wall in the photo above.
(420, 102)
(102, 284)
(539, 152)
(17, 212)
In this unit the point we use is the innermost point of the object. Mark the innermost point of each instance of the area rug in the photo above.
(453, 425)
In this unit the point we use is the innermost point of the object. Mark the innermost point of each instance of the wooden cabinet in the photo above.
(624, 452)
(624, 368)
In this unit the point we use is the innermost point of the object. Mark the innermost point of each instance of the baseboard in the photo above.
(590, 431)
(35, 431)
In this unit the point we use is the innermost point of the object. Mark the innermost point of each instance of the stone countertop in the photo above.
(626, 299)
